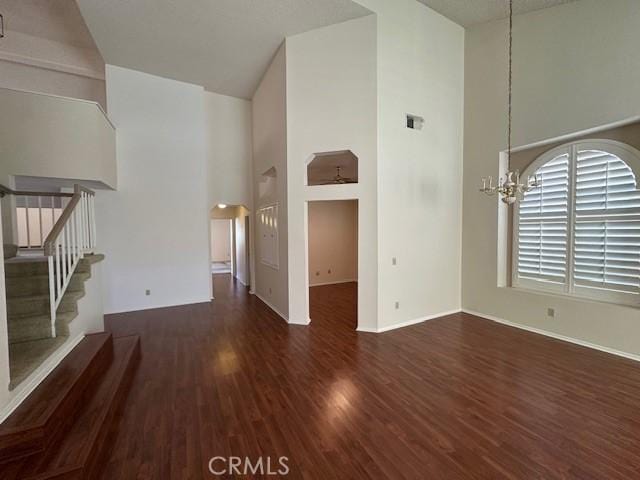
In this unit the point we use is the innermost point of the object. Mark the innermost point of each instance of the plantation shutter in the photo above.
(607, 223)
(543, 225)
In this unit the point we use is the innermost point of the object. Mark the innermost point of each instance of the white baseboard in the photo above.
(556, 336)
(367, 330)
(143, 308)
(268, 304)
(333, 283)
(408, 323)
(29, 384)
(304, 322)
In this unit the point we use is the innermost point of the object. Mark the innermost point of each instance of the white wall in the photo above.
(576, 67)
(228, 124)
(420, 71)
(35, 79)
(221, 240)
(4, 335)
(242, 247)
(331, 106)
(333, 242)
(154, 230)
(47, 48)
(32, 127)
(269, 121)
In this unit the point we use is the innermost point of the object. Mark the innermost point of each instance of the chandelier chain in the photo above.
(511, 189)
(510, 76)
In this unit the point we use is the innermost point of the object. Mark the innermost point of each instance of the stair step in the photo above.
(78, 454)
(27, 267)
(39, 284)
(37, 327)
(25, 357)
(46, 414)
(40, 305)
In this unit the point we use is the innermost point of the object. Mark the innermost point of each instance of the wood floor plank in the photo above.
(455, 397)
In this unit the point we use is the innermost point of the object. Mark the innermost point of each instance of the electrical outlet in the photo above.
(397, 305)
(270, 291)
(551, 312)
(147, 292)
(394, 261)
(329, 271)
(317, 274)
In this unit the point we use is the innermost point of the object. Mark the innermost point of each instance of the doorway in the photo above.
(333, 263)
(230, 237)
(221, 246)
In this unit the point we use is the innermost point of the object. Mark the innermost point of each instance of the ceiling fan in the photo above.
(338, 179)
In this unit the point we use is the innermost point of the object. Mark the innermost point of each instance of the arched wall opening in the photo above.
(332, 168)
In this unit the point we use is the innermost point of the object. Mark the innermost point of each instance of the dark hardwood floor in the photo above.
(455, 397)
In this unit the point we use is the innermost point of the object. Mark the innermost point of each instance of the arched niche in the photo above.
(268, 186)
(332, 168)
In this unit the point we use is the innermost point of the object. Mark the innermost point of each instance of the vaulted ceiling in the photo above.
(224, 45)
(471, 12)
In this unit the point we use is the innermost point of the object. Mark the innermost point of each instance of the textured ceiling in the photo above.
(224, 45)
(57, 20)
(471, 12)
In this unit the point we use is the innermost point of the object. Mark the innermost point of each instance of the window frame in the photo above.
(626, 153)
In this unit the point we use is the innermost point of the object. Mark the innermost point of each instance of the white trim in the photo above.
(572, 136)
(303, 323)
(53, 66)
(322, 284)
(408, 323)
(268, 304)
(367, 330)
(556, 336)
(30, 383)
(168, 305)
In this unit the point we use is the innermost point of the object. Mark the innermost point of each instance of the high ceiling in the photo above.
(58, 20)
(223, 45)
(471, 12)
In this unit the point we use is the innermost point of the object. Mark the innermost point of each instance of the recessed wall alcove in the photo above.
(268, 186)
(332, 168)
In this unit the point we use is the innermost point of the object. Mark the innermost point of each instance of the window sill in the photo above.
(576, 298)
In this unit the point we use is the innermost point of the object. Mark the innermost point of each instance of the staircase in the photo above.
(63, 429)
(31, 340)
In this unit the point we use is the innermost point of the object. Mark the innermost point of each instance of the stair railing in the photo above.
(72, 236)
(37, 213)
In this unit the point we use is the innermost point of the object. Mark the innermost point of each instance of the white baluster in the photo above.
(40, 219)
(93, 222)
(72, 219)
(26, 209)
(81, 208)
(57, 247)
(52, 295)
(63, 234)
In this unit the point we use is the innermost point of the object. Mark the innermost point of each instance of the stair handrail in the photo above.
(71, 238)
(27, 193)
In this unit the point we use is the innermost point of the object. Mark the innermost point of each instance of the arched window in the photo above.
(579, 233)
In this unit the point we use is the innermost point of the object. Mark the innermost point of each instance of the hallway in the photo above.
(456, 397)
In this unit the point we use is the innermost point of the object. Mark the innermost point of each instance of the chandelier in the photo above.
(510, 188)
